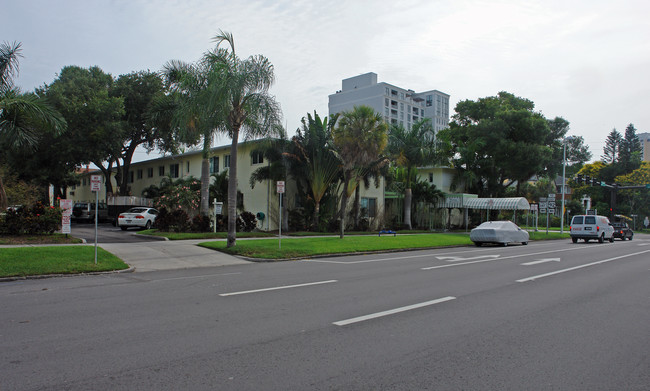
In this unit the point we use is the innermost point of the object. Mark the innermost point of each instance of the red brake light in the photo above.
(597, 228)
(120, 217)
(139, 217)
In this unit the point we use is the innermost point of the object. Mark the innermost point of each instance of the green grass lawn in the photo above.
(306, 247)
(29, 261)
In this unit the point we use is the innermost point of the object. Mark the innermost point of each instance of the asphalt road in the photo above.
(547, 316)
(107, 233)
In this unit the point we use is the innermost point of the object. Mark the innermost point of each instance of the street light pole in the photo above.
(563, 185)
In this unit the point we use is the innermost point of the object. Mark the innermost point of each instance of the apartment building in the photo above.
(397, 105)
(262, 197)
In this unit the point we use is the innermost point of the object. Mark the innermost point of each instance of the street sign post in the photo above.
(96, 186)
(280, 186)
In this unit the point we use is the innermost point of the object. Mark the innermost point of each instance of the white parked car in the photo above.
(498, 232)
(142, 217)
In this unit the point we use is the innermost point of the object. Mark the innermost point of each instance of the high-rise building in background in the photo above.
(396, 104)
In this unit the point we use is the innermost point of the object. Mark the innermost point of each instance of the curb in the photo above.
(131, 269)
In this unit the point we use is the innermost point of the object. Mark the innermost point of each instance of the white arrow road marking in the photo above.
(459, 259)
(541, 261)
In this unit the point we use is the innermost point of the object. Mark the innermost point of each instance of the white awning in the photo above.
(512, 203)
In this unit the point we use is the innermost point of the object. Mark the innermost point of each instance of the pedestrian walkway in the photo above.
(166, 255)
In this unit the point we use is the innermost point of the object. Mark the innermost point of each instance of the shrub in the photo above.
(246, 222)
(297, 221)
(39, 219)
(200, 223)
(176, 221)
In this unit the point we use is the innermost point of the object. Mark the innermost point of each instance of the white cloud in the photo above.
(583, 60)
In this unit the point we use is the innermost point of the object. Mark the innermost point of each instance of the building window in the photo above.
(187, 165)
(386, 102)
(150, 172)
(161, 170)
(387, 91)
(393, 92)
(257, 157)
(173, 170)
(415, 110)
(214, 164)
(130, 177)
(429, 100)
(226, 161)
(140, 174)
(430, 177)
(369, 207)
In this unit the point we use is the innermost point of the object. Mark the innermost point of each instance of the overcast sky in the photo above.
(586, 61)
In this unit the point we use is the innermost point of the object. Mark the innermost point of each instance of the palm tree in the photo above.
(360, 138)
(244, 102)
(22, 116)
(412, 148)
(193, 89)
(314, 159)
(223, 93)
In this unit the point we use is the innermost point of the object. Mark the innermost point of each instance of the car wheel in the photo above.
(478, 244)
(148, 225)
(504, 244)
(574, 240)
(601, 239)
(524, 243)
(123, 228)
(611, 239)
(631, 237)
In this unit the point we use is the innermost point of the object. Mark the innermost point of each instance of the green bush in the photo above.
(37, 220)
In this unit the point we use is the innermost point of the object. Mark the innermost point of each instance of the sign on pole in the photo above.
(95, 182)
(280, 185)
(66, 206)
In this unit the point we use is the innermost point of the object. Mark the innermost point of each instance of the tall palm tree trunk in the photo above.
(232, 190)
(408, 197)
(205, 176)
(315, 219)
(344, 201)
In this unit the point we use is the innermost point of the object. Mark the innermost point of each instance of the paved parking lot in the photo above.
(107, 233)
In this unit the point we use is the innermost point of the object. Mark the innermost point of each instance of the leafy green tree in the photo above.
(612, 147)
(412, 148)
(630, 153)
(23, 117)
(95, 132)
(139, 91)
(360, 138)
(496, 142)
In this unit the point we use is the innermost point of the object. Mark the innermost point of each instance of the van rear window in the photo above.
(590, 220)
(577, 220)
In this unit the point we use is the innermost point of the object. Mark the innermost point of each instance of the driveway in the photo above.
(107, 233)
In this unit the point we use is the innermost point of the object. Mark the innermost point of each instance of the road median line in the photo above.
(277, 288)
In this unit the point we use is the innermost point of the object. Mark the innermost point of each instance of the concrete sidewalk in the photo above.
(166, 255)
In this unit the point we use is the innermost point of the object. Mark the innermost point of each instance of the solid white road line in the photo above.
(278, 288)
(579, 267)
(391, 312)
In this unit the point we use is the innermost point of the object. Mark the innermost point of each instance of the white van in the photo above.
(589, 227)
